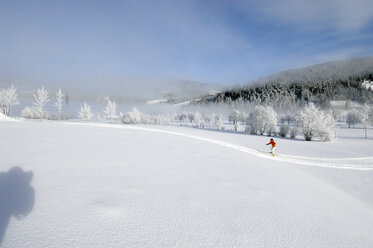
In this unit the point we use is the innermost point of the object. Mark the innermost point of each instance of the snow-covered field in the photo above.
(97, 185)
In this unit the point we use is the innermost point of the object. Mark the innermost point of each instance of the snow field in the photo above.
(357, 163)
(179, 187)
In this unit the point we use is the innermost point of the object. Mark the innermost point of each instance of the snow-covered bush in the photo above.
(8, 98)
(315, 123)
(58, 103)
(185, 117)
(161, 119)
(133, 117)
(53, 116)
(30, 113)
(284, 130)
(111, 111)
(262, 120)
(85, 112)
(41, 98)
(293, 132)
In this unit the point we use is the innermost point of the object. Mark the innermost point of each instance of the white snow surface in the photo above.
(6, 118)
(157, 101)
(103, 185)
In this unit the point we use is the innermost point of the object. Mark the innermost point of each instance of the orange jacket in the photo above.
(273, 143)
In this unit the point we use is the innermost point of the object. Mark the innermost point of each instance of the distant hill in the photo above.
(325, 72)
(322, 83)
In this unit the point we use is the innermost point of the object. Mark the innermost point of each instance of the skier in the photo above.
(273, 143)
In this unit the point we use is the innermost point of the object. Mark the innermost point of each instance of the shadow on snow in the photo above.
(17, 196)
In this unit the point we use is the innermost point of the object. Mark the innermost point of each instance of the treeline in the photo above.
(291, 94)
(309, 121)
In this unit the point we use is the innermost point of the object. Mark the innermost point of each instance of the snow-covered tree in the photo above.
(198, 120)
(146, 119)
(133, 117)
(353, 117)
(41, 98)
(185, 118)
(219, 121)
(244, 117)
(8, 98)
(315, 123)
(156, 120)
(85, 112)
(207, 118)
(58, 103)
(263, 120)
(236, 126)
(111, 111)
(235, 116)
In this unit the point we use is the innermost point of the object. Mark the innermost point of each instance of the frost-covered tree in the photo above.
(8, 98)
(198, 120)
(263, 120)
(85, 112)
(41, 98)
(353, 118)
(208, 119)
(58, 103)
(236, 126)
(235, 116)
(133, 117)
(156, 120)
(244, 117)
(111, 111)
(185, 118)
(219, 121)
(315, 123)
(146, 119)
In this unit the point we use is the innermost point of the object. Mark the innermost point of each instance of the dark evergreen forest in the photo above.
(320, 84)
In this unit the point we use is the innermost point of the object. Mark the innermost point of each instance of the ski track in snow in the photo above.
(362, 163)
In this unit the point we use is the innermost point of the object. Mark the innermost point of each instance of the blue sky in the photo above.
(76, 42)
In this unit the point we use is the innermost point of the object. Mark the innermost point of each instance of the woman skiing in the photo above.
(273, 143)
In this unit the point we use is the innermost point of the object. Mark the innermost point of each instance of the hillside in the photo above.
(342, 70)
(338, 80)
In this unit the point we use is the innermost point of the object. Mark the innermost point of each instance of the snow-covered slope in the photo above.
(6, 118)
(126, 186)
